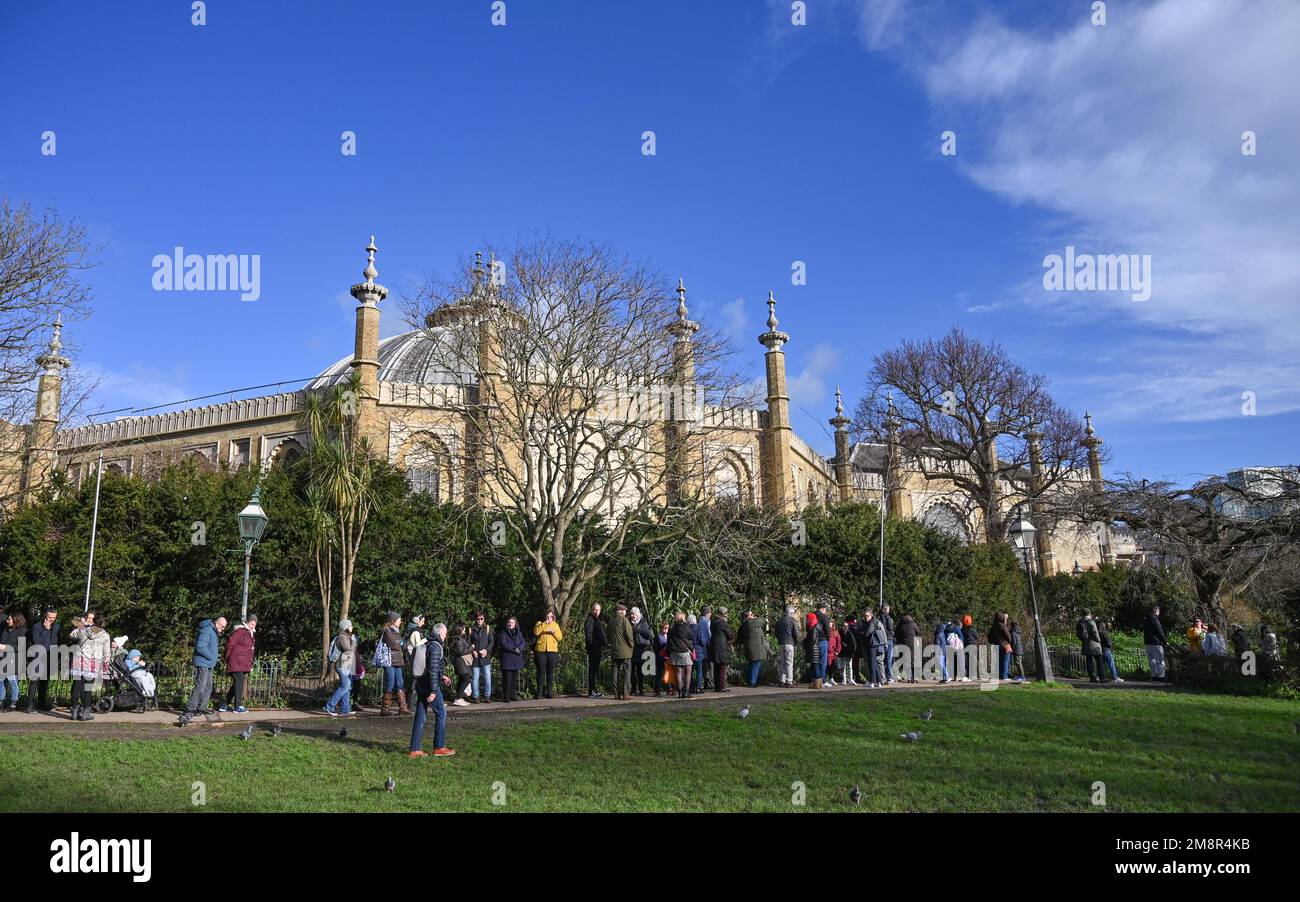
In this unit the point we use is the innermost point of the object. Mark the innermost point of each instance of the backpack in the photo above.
(1081, 630)
(418, 661)
(335, 651)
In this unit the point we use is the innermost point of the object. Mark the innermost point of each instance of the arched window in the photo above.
(948, 520)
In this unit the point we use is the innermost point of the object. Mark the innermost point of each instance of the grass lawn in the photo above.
(1015, 749)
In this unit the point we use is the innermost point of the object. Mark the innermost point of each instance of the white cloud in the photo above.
(1131, 133)
(807, 387)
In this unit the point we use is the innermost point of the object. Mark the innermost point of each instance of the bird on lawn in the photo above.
(926, 715)
(390, 784)
(343, 733)
(247, 734)
(744, 712)
(275, 730)
(912, 736)
(855, 795)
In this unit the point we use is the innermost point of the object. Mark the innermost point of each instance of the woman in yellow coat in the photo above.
(549, 635)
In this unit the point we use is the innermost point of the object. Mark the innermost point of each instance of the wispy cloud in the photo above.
(1131, 134)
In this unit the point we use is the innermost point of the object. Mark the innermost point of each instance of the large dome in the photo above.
(423, 356)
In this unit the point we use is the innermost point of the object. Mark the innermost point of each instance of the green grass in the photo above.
(1015, 749)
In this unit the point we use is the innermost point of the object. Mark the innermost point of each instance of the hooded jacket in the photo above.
(94, 649)
(620, 636)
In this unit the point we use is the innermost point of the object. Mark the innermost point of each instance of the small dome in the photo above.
(424, 356)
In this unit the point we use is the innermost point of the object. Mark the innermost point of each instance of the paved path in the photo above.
(740, 694)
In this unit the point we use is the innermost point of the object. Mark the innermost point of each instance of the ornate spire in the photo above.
(52, 360)
(478, 268)
(772, 339)
(370, 292)
(683, 326)
(1087, 418)
(839, 421)
(891, 415)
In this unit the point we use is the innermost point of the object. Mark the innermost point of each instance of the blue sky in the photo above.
(775, 143)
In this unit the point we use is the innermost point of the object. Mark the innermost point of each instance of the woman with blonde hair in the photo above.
(548, 636)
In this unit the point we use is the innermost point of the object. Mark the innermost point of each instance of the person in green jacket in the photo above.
(754, 643)
(619, 635)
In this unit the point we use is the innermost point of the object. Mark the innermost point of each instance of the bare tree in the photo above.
(963, 411)
(41, 258)
(587, 405)
(1224, 532)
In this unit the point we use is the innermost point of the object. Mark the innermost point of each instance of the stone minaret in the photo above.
(1046, 561)
(365, 356)
(776, 433)
(843, 465)
(1093, 444)
(893, 461)
(42, 453)
(686, 465)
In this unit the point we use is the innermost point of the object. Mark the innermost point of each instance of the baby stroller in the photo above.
(124, 693)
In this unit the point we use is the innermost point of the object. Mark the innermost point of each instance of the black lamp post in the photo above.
(1022, 534)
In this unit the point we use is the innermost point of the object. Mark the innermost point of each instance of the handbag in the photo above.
(467, 659)
(383, 656)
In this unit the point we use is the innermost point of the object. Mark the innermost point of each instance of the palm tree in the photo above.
(341, 476)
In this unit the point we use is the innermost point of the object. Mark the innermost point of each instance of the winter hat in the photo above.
(345, 625)
(119, 642)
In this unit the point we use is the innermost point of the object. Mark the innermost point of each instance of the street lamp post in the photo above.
(252, 521)
(1022, 534)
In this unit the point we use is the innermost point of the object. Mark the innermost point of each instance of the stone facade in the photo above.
(408, 407)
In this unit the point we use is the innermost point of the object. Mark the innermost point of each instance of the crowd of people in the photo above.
(685, 656)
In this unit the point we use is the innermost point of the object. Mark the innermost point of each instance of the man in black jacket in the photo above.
(594, 634)
(643, 638)
(482, 643)
(45, 637)
(787, 637)
(1153, 636)
(429, 680)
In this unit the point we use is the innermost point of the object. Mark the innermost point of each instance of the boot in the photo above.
(384, 704)
(401, 702)
(817, 684)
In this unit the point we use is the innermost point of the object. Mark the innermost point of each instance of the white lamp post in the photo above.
(252, 521)
(1022, 534)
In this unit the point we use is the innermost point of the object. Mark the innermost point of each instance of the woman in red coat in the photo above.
(833, 649)
(239, 662)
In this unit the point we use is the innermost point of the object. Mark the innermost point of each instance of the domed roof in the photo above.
(423, 355)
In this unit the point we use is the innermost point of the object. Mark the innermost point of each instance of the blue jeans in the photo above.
(697, 674)
(11, 685)
(439, 721)
(889, 660)
(1005, 662)
(1110, 662)
(483, 671)
(342, 694)
(823, 649)
(393, 679)
(942, 648)
(754, 668)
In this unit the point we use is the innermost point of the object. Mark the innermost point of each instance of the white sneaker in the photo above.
(1118, 680)
(460, 703)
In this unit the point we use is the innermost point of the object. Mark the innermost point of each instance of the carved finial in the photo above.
(839, 402)
(682, 312)
(370, 272)
(370, 292)
(1087, 419)
(772, 322)
(56, 339)
(772, 339)
(52, 360)
(478, 267)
